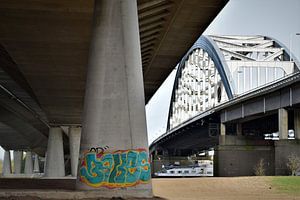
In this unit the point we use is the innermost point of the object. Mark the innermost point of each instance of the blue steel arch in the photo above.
(213, 51)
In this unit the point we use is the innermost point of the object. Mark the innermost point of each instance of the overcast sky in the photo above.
(276, 18)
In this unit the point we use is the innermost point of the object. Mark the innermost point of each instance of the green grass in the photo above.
(287, 184)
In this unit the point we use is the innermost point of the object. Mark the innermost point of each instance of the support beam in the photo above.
(114, 122)
(36, 164)
(222, 129)
(55, 165)
(297, 123)
(28, 163)
(74, 141)
(222, 134)
(239, 130)
(283, 123)
(6, 170)
(18, 156)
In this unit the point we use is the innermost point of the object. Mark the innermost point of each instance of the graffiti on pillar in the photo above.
(99, 149)
(119, 169)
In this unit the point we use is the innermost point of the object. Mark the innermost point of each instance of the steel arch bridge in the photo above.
(219, 68)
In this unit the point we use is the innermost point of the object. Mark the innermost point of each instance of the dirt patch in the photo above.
(241, 188)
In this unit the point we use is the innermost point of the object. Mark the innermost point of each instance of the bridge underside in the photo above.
(44, 49)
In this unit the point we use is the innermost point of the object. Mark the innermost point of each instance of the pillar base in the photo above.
(237, 156)
(18, 156)
(283, 149)
(55, 164)
(6, 170)
(114, 149)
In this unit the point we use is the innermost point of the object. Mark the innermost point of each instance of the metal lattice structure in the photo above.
(219, 68)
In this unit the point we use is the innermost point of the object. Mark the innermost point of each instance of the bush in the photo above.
(293, 164)
(259, 168)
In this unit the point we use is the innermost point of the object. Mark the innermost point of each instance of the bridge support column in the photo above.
(18, 156)
(6, 170)
(28, 163)
(55, 164)
(36, 164)
(283, 149)
(114, 120)
(282, 123)
(238, 156)
(239, 129)
(222, 133)
(74, 141)
(297, 123)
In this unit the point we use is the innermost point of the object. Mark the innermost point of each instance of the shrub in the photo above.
(259, 168)
(293, 164)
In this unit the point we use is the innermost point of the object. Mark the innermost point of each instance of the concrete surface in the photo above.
(74, 142)
(28, 169)
(18, 157)
(114, 108)
(55, 163)
(6, 169)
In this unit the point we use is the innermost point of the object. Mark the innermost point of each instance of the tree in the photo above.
(259, 168)
(293, 164)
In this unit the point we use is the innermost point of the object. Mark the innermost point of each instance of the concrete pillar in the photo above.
(239, 129)
(28, 163)
(55, 164)
(283, 123)
(74, 141)
(6, 170)
(297, 123)
(114, 108)
(222, 134)
(222, 129)
(284, 149)
(36, 165)
(18, 156)
(45, 162)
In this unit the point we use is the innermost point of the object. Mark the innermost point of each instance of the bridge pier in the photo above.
(285, 147)
(36, 164)
(18, 156)
(237, 156)
(6, 170)
(297, 123)
(114, 123)
(74, 141)
(28, 170)
(55, 166)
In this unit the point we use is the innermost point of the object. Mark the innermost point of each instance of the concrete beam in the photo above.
(74, 141)
(114, 122)
(239, 130)
(151, 26)
(55, 164)
(283, 123)
(36, 164)
(6, 170)
(154, 11)
(149, 4)
(28, 163)
(297, 123)
(18, 156)
(157, 17)
(222, 129)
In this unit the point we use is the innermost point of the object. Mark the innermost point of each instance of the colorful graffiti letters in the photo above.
(114, 170)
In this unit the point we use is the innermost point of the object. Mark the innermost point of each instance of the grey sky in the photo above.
(275, 18)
